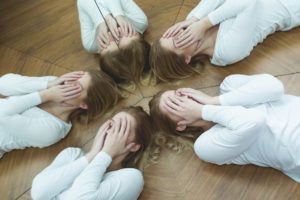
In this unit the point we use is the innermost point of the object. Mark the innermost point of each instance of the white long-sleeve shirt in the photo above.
(255, 124)
(22, 123)
(90, 18)
(245, 23)
(70, 177)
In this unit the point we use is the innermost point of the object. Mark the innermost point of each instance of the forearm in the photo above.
(246, 90)
(14, 84)
(18, 104)
(59, 175)
(88, 182)
(232, 117)
(135, 15)
(229, 9)
(90, 18)
(112, 6)
(238, 129)
(204, 8)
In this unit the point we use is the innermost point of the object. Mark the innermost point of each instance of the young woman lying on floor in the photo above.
(251, 122)
(226, 31)
(100, 173)
(117, 38)
(38, 110)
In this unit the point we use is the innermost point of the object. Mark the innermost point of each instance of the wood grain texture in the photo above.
(43, 38)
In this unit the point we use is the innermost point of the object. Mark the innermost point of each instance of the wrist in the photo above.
(44, 94)
(110, 152)
(206, 23)
(193, 19)
(50, 84)
(215, 100)
(119, 16)
(90, 156)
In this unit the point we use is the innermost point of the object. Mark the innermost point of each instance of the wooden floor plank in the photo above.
(43, 38)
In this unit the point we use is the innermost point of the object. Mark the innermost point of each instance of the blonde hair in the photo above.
(102, 94)
(165, 124)
(166, 65)
(127, 64)
(143, 135)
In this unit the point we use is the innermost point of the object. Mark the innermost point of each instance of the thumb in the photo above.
(182, 123)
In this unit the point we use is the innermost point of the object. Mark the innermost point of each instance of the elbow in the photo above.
(274, 84)
(87, 46)
(233, 57)
(5, 83)
(38, 191)
(80, 3)
(201, 151)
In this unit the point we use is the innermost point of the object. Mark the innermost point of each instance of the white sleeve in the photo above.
(32, 131)
(15, 84)
(113, 6)
(239, 128)
(204, 8)
(124, 184)
(246, 90)
(135, 15)
(59, 175)
(236, 43)
(18, 104)
(89, 18)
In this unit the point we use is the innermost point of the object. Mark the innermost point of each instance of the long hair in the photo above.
(165, 124)
(127, 64)
(102, 94)
(143, 135)
(166, 65)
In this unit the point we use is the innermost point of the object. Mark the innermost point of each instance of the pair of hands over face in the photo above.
(118, 27)
(112, 137)
(193, 31)
(187, 104)
(64, 88)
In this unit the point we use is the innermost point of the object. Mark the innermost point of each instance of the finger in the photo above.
(123, 125)
(104, 126)
(176, 100)
(125, 29)
(186, 43)
(71, 97)
(72, 92)
(168, 32)
(106, 36)
(185, 36)
(102, 44)
(68, 88)
(79, 73)
(114, 33)
(103, 39)
(112, 128)
(171, 110)
(128, 125)
(121, 32)
(183, 123)
(70, 79)
(176, 31)
(172, 105)
(134, 31)
(129, 30)
(117, 126)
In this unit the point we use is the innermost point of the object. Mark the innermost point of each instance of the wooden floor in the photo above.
(42, 38)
